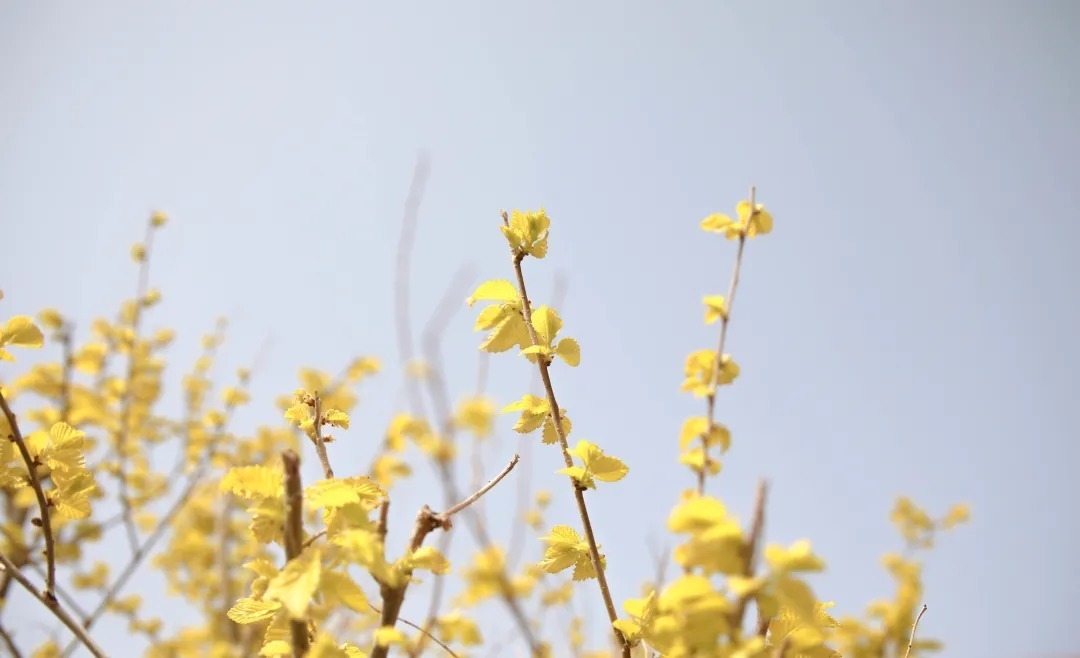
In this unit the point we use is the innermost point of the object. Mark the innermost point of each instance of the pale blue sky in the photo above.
(909, 327)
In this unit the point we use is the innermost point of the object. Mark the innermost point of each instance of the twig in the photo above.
(486, 488)
(725, 319)
(43, 503)
(425, 632)
(320, 445)
(312, 539)
(426, 522)
(911, 640)
(294, 534)
(52, 604)
(556, 417)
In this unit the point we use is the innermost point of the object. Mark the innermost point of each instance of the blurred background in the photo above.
(909, 327)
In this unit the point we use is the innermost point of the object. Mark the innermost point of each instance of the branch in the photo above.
(50, 602)
(43, 503)
(556, 417)
(725, 319)
(911, 640)
(426, 522)
(294, 536)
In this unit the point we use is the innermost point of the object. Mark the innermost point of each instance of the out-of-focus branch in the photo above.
(43, 503)
(50, 602)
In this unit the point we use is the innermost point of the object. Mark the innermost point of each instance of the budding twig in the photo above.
(911, 640)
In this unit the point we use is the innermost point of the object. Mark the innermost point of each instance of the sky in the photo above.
(905, 329)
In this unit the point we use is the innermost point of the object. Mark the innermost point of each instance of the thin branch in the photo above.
(294, 537)
(313, 538)
(725, 319)
(757, 529)
(50, 602)
(43, 503)
(524, 492)
(486, 488)
(9, 643)
(556, 418)
(425, 632)
(911, 640)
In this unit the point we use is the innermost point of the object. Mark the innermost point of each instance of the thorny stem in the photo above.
(52, 604)
(729, 301)
(911, 640)
(43, 503)
(426, 522)
(294, 536)
(556, 417)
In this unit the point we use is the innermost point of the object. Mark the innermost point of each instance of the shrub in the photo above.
(270, 566)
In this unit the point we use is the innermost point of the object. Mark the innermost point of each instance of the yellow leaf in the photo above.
(546, 323)
(697, 514)
(799, 557)
(388, 635)
(603, 467)
(252, 482)
(297, 582)
(568, 351)
(21, 331)
(427, 557)
(339, 588)
(249, 611)
(715, 308)
(337, 418)
(496, 291)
